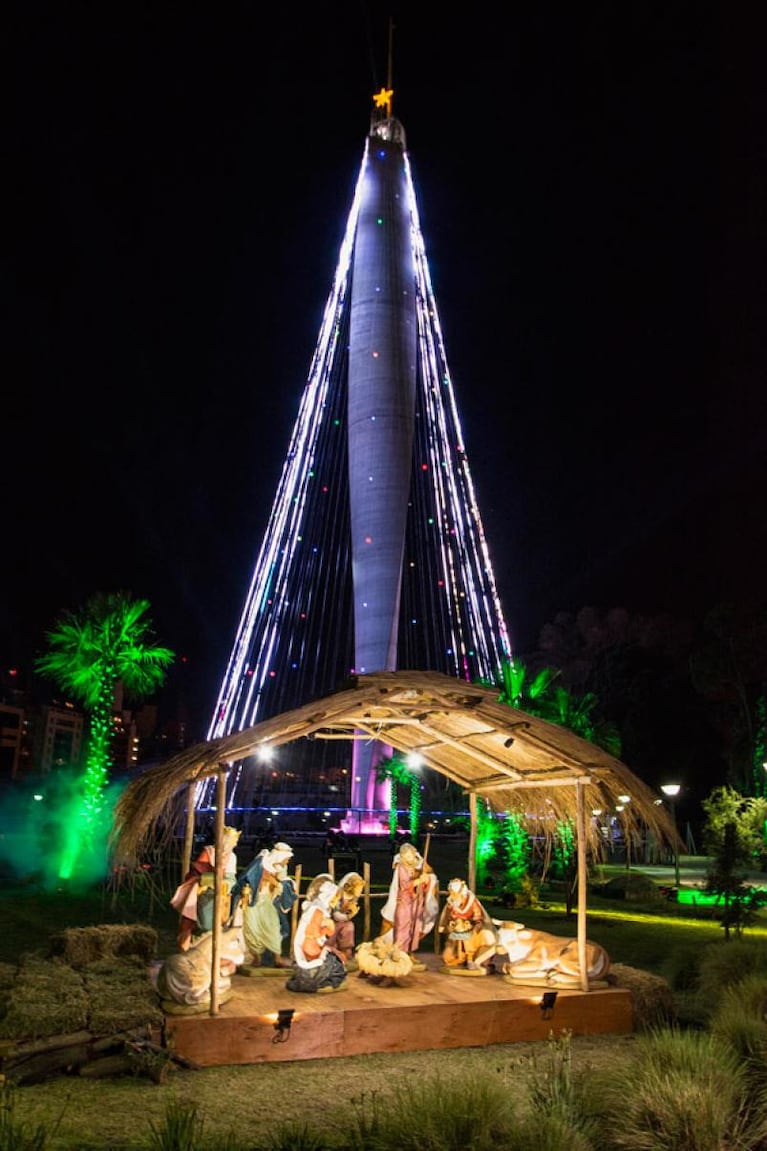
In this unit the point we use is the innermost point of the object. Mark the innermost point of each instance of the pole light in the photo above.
(671, 791)
(623, 801)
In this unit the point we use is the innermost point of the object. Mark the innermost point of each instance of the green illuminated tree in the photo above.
(542, 696)
(726, 878)
(518, 689)
(515, 842)
(565, 861)
(488, 839)
(109, 641)
(746, 813)
(397, 771)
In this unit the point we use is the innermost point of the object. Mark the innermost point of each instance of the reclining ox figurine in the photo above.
(535, 957)
(185, 976)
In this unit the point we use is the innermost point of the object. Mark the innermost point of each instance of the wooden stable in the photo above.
(517, 763)
(427, 1010)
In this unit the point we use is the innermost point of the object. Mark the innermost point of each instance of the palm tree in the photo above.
(542, 696)
(397, 771)
(109, 641)
(517, 690)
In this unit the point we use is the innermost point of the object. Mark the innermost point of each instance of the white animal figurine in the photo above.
(535, 957)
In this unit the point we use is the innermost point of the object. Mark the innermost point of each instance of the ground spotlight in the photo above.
(548, 1000)
(282, 1026)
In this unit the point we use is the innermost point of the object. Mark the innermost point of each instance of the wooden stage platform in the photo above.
(430, 1009)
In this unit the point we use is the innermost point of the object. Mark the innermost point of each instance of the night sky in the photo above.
(591, 185)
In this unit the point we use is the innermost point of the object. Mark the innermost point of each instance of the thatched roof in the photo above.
(517, 762)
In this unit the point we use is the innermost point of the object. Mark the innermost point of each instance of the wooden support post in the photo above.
(472, 868)
(580, 833)
(186, 857)
(218, 890)
(294, 911)
(435, 929)
(366, 903)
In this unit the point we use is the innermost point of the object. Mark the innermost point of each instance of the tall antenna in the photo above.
(389, 68)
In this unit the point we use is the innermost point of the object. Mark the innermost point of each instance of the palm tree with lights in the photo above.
(110, 641)
(400, 770)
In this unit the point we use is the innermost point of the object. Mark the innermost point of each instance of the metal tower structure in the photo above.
(374, 556)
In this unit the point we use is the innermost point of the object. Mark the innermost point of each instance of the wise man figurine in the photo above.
(193, 898)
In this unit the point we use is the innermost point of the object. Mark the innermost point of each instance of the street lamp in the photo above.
(671, 791)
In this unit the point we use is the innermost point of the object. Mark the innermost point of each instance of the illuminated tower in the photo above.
(381, 415)
(374, 557)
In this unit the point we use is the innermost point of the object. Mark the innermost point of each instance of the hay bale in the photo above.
(47, 998)
(81, 946)
(651, 996)
(120, 996)
(50, 997)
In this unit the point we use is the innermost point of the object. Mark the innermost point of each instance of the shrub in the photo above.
(294, 1135)
(558, 1117)
(741, 1021)
(723, 964)
(431, 1114)
(682, 1090)
(547, 1132)
(181, 1129)
(633, 886)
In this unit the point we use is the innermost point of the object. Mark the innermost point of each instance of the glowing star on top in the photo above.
(383, 100)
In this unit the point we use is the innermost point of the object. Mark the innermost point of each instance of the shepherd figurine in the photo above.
(412, 906)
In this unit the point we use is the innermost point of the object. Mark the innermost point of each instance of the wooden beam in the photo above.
(344, 735)
(520, 784)
(422, 749)
(463, 746)
(532, 739)
(489, 782)
(379, 730)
